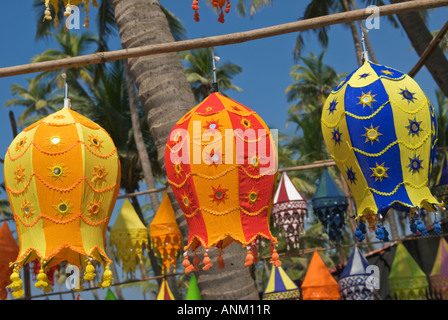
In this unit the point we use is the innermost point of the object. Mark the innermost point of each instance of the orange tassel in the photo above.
(207, 262)
(255, 254)
(220, 260)
(221, 17)
(249, 258)
(195, 7)
(196, 262)
(227, 7)
(186, 264)
(275, 258)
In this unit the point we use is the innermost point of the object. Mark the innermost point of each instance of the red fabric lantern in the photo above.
(9, 250)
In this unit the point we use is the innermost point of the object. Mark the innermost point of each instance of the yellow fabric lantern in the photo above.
(62, 176)
(68, 9)
(129, 235)
(166, 237)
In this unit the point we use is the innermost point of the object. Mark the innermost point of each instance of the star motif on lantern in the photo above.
(336, 136)
(414, 127)
(178, 169)
(366, 99)
(58, 117)
(63, 208)
(27, 210)
(363, 76)
(387, 72)
(415, 164)
(212, 125)
(252, 197)
(332, 106)
(58, 172)
(219, 195)
(95, 142)
(409, 96)
(215, 158)
(54, 141)
(99, 174)
(246, 123)
(351, 175)
(94, 208)
(379, 172)
(20, 144)
(19, 174)
(372, 134)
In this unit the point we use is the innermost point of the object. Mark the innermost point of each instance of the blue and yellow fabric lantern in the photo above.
(381, 130)
(280, 286)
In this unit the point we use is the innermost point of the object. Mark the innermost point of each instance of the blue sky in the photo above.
(266, 62)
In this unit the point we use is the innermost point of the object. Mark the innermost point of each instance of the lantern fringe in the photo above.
(129, 244)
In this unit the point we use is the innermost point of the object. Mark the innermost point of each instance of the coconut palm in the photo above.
(199, 72)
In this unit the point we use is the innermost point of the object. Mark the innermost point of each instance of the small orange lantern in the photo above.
(166, 237)
(8, 252)
(62, 176)
(221, 162)
(216, 3)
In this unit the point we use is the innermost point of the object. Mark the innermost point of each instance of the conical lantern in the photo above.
(221, 162)
(9, 251)
(62, 176)
(319, 284)
(193, 292)
(353, 279)
(165, 291)
(289, 211)
(381, 130)
(439, 272)
(406, 280)
(129, 235)
(330, 206)
(220, 4)
(166, 238)
(68, 9)
(280, 286)
(110, 295)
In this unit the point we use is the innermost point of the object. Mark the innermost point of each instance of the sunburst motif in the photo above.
(58, 172)
(95, 142)
(219, 195)
(379, 172)
(19, 174)
(94, 208)
(63, 208)
(351, 175)
(99, 174)
(252, 197)
(372, 134)
(415, 164)
(27, 210)
(212, 125)
(366, 99)
(20, 144)
(407, 95)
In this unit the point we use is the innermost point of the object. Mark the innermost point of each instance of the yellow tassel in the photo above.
(68, 10)
(47, 11)
(16, 284)
(106, 278)
(89, 274)
(42, 280)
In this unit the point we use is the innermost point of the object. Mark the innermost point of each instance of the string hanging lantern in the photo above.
(330, 206)
(219, 4)
(280, 286)
(62, 177)
(353, 281)
(406, 280)
(166, 238)
(319, 284)
(9, 251)
(439, 273)
(68, 4)
(221, 163)
(130, 236)
(289, 211)
(381, 130)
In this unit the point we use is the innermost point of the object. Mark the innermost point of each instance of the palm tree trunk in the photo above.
(166, 95)
(355, 34)
(420, 37)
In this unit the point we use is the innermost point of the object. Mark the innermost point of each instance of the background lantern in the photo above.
(166, 238)
(280, 286)
(406, 280)
(193, 292)
(439, 272)
(381, 130)
(319, 284)
(62, 177)
(353, 279)
(289, 211)
(9, 251)
(221, 162)
(129, 235)
(330, 206)
(165, 291)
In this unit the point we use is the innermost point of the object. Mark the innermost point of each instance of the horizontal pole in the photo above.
(214, 41)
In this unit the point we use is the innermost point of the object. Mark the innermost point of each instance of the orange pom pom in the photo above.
(249, 258)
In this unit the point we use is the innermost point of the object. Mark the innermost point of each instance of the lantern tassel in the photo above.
(207, 262)
(196, 262)
(16, 284)
(42, 280)
(186, 264)
(275, 258)
(195, 7)
(106, 278)
(249, 258)
(220, 260)
(89, 274)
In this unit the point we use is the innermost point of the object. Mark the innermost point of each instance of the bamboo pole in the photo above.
(220, 40)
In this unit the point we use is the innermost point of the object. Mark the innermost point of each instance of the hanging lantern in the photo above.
(110, 295)
(221, 162)
(381, 130)
(406, 280)
(439, 272)
(441, 186)
(9, 251)
(219, 4)
(289, 211)
(165, 291)
(129, 235)
(193, 292)
(62, 177)
(353, 281)
(166, 238)
(330, 206)
(68, 4)
(280, 286)
(319, 284)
